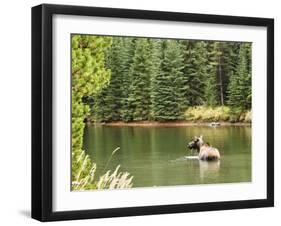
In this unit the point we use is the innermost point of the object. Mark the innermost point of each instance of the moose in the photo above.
(205, 150)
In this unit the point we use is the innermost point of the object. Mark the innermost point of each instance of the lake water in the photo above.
(155, 156)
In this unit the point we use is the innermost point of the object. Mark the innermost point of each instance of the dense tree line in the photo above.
(158, 79)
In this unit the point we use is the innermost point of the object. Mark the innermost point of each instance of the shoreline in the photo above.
(167, 124)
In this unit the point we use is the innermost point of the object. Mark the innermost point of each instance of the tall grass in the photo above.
(107, 181)
(115, 180)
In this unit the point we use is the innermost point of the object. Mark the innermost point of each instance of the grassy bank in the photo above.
(166, 124)
(217, 114)
(193, 116)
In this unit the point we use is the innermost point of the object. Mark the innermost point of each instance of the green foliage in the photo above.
(89, 76)
(157, 79)
(107, 104)
(211, 83)
(127, 55)
(207, 114)
(222, 62)
(228, 62)
(210, 90)
(139, 89)
(169, 85)
(195, 70)
(214, 114)
(239, 89)
(112, 103)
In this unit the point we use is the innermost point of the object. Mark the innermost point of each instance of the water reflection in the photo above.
(209, 170)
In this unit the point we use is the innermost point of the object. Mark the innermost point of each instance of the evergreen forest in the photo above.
(166, 80)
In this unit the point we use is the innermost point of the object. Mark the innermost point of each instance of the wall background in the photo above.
(15, 111)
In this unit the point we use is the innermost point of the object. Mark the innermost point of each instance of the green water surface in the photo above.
(156, 156)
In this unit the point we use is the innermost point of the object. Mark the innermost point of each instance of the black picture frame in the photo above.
(42, 111)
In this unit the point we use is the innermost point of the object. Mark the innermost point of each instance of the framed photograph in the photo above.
(145, 112)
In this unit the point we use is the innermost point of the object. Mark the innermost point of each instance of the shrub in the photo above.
(214, 114)
(207, 114)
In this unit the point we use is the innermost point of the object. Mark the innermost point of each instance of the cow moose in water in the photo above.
(205, 150)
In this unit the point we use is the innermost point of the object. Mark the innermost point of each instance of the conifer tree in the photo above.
(100, 110)
(211, 86)
(139, 90)
(169, 92)
(127, 55)
(239, 89)
(114, 90)
(156, 76)
(195, 71)
(248, 47)
(111, 103)
(229, 61)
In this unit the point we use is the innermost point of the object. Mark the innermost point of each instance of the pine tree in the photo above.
(229, 61)
(211, 86)
(114, 90)
(127, 55)
(248, 47)
(156, 75)
(222, 62)
(100, 109)
(139, 90)
(111, 103)
(239, 89)
(195, 70)
(168, 87)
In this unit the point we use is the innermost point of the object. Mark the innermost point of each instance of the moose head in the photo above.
(196, 143)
